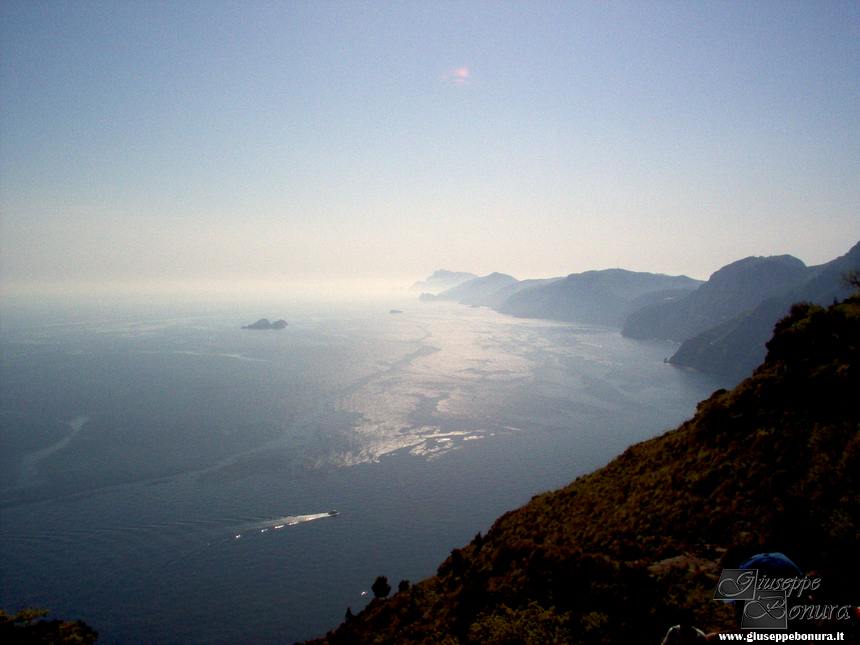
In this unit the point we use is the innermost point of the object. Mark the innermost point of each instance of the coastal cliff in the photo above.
(734, 348)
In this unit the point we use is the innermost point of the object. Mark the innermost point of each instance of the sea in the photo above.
(169, 477)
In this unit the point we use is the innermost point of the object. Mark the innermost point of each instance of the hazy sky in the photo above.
(170, 143)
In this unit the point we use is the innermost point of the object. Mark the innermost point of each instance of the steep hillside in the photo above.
(596, 297)
(773, 465)
(734, 347)
(733, 289)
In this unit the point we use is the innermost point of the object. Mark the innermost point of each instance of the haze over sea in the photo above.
(167, 476)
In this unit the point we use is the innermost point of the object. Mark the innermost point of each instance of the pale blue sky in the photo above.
(168, 144)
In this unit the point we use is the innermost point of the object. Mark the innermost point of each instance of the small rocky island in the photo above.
(264, 323)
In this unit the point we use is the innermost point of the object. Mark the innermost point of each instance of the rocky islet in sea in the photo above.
(264, 323)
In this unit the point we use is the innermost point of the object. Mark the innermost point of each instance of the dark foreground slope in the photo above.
(772, 465)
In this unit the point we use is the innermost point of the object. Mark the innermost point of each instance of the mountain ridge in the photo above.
(602, 297)
(735, 346)
(594, 297)
(729, 291)
(721, 325)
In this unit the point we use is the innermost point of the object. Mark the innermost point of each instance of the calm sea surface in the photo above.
(166, 476)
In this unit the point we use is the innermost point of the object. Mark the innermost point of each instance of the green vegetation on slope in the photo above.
(616, 556)
(25, 628)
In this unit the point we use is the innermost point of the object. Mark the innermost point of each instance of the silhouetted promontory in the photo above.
(594, 297)
(442, 280)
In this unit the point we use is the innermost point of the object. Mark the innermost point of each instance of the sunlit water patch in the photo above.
(137, 449)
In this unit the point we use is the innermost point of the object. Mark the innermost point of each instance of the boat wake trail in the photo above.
(140, 547)
(281, 522)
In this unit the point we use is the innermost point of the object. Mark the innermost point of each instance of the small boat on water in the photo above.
(333, 513)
